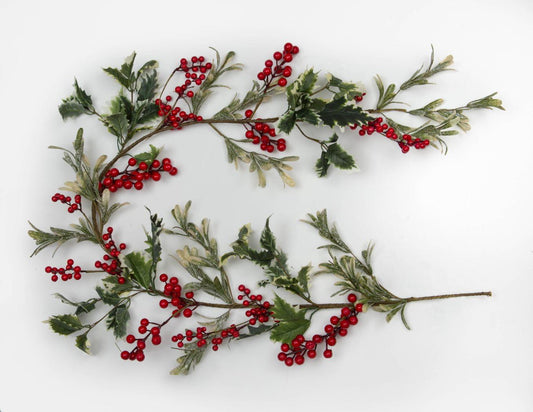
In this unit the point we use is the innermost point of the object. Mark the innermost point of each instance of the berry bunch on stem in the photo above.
(142, 110)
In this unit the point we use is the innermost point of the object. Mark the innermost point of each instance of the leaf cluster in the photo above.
(355, 274)
(131, 111)
(195, 262)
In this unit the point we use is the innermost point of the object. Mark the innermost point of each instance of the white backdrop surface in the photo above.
(460, 222)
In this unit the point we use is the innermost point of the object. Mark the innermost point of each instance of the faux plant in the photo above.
(143, 109)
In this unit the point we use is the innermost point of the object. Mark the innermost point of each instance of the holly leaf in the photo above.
(109, 297)
(118, 320)
(148, 87)
(292, 322)
(65, 324)
(81, 307)
(82, 343)
(287, 122)
(117, 124)
(322, 165)
(268, 240)
(148, 157)
(70, 108)
(338, 157)
(339, 112)
(141, 269)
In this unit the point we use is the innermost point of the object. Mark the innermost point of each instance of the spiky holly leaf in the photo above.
(141, 269)
(148, 157)
(338, 157)
(65, 324)
(82, 343)
(149, 85)
(81, 307)
(339, 112)
(117, 320)
(109, 297)
(292, 322)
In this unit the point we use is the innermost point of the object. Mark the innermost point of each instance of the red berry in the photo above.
(282, 82)
(359, 307)
(144, 322)
(352, 298)
(289, 361)
(125, 355)
(328, 353)
(187, 313)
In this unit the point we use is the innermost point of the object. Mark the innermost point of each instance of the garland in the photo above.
(143, 109)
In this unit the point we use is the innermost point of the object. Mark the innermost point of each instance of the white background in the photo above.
(460, 222)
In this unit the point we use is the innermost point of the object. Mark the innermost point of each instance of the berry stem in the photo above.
(341, 305)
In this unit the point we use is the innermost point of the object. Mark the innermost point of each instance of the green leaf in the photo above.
(338, 157)
(303, 277)
(268, 240)
(153, 241)
(109, 297)
(118, 320)
(339, 112)
(117, 124)
(82, 97)
(292, 322)
(322, 165)
(82, 343)
(287, 121)
(118, 76)
(81, 307)
(70, 108)
(148, 87)
(141, 269)
(65, 324)
(186, 363)
(148, 157)
(149, 113)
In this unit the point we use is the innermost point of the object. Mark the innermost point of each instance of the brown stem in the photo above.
(341, 305)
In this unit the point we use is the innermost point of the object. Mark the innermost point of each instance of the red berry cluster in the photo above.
(300, 347)
(261, 133)
(203, 338)
(113, 267)
(195, 74)
(128, 178)
(68, 272)
(137, 353)
(258, 312)
(173, 290)
(404, 141)
(72, 206)
(278, 69)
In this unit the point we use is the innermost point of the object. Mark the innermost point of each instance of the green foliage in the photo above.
(148, 157)
(153, 241)
(220, 67)
(82, 343)
(233, 109)
(77, 104)
(140, 269)
(194, 262)
(117, 320)
(56, 236)
(292, 322)
(259, 163)
(272, 259)
(186, 363)
(81, 307)
(333, 154)
(65, 324)
(341, 112)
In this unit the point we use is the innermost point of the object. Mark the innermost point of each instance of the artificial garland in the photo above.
(143, 109)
